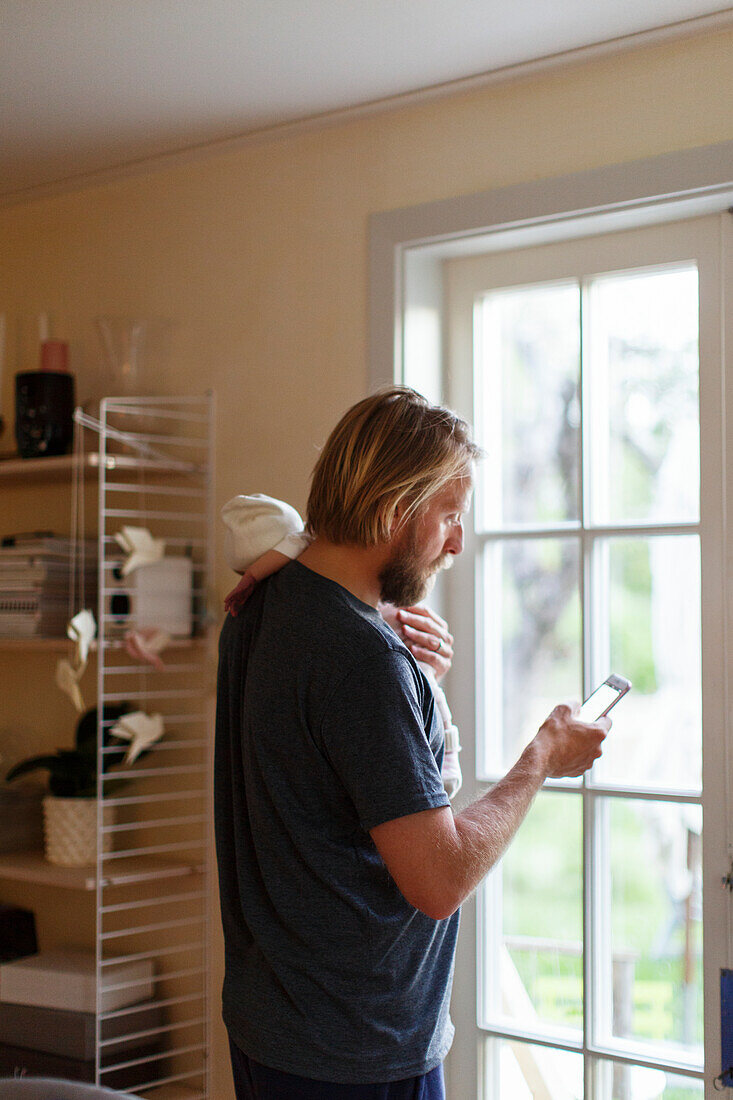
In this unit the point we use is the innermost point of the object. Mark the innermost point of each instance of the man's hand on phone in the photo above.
(571, 746)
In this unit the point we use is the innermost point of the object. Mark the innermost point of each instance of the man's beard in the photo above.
(403, 580)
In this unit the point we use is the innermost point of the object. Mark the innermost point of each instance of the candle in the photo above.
(54, 355)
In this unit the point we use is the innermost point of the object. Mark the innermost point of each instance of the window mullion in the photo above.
(597, 992)
(586, 664)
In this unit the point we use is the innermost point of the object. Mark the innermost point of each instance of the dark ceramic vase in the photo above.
(44, 411)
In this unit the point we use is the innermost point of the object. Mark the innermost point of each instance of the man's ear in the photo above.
(396, 521)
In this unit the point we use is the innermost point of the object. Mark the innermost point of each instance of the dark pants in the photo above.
(253, 1081)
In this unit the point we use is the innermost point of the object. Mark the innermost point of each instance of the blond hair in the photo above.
(392, 450)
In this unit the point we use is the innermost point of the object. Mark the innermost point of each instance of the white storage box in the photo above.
(67, 979)
(162, 596)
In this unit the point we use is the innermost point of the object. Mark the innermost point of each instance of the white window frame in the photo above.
(407, 344)
(658, 246)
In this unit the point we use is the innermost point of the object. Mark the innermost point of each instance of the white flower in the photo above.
(82, 630)
(141, 730)
(140, 546)
(67, 678)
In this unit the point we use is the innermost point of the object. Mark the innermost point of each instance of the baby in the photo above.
(262, 535)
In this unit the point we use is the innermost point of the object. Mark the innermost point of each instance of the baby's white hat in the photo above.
(254, 524)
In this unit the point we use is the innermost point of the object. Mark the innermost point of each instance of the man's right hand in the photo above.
(570, 746)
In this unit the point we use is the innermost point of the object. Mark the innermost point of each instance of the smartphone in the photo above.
(603, 698)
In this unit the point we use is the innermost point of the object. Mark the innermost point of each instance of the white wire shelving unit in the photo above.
(155, 468)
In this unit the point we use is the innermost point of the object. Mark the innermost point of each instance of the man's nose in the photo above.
(454, 542)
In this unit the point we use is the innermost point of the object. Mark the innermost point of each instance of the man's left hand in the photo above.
(425, 634)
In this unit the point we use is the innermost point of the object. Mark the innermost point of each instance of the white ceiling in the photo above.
(87, 85)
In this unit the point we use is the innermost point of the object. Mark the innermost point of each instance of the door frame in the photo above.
(407, 344)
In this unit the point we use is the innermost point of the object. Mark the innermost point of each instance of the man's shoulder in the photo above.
(320, 618)
(303, 619)
(318, 603)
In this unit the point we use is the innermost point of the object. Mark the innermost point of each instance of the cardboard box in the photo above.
(73, 1034)
(67, 979)
(19, 1061)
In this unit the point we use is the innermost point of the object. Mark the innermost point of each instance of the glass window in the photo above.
(650, 949)
(653, 623)
(529, 376)
(620, 1081)
(641, 370)
(539, 924)
(532, 639)
(514, 1070)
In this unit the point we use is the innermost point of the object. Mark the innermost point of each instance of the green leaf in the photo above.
(86, 730)
(73, 772)
(31, 765)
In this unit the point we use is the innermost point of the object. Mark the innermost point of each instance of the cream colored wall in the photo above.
(258, 256)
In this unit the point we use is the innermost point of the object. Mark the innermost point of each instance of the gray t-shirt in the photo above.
(325, 728)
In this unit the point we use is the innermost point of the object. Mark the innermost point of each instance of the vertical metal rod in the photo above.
(208, 582)
(101, 492)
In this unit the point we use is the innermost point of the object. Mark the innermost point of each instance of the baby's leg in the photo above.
(450, 772)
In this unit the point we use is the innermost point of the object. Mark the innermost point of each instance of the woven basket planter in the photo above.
(70, 830)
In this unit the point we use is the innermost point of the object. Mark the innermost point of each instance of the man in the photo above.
(341, 864)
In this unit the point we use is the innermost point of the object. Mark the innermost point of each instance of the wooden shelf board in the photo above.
(61, 467)
(32, 867)
(169, 1092)
(52, 645)
(62, 645)
(55, 468)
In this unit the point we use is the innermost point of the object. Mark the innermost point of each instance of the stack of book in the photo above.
(36, 575)
(48, 1019)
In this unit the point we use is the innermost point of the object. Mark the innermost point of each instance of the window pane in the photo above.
(529, 412)
(616, 1081)
(525, 1071)
(654, 626)
(642, 377)
(532, 640)
(541, 908)
(652, 952)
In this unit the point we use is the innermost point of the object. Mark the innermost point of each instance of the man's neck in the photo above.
(355, 568)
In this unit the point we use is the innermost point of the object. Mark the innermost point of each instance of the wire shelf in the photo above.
(155, 469)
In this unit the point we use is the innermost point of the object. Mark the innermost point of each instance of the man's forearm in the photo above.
(438, 859)
(485, 828)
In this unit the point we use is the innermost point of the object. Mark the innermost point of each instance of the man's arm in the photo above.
(437, 859)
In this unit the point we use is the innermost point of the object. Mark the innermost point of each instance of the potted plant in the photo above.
(70, 807)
